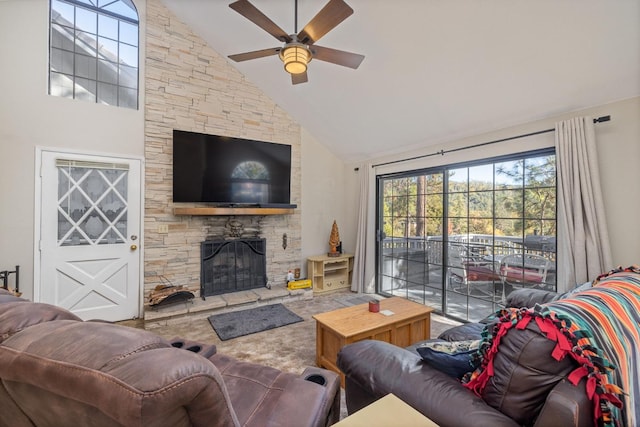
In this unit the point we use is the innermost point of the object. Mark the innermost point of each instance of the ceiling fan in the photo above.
(300, 48)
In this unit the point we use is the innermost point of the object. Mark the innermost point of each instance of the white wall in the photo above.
(619, 161)
(618, 144)
(325, 198)
(29, 117)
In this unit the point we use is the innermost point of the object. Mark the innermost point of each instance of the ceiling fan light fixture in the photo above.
(299, 49)
(295, 57)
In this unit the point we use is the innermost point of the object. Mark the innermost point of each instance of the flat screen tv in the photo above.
(227, 171)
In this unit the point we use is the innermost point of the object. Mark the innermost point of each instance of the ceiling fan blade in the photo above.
(339, 57)
(299, 78)
(329, 17)
(249, 11)
(239, 57)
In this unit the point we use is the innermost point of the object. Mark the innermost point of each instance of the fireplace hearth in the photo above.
(232, 265)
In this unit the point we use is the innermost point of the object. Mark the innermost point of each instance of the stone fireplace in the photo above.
(232, 265)
(190, 87)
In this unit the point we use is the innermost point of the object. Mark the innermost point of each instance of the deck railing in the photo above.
(482, 244)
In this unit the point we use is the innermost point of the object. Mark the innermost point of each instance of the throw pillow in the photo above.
(454, 358)
(585, 286)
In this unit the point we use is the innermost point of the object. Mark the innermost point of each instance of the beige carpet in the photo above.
(290, 348)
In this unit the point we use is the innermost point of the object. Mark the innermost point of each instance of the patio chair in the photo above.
(471, 273)
(525, 270)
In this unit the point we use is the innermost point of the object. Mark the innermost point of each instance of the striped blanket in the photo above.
(600, 329)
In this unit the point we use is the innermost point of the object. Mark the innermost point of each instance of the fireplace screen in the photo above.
(232, 265)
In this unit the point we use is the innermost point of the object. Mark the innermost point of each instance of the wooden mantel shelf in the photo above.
(232, 211)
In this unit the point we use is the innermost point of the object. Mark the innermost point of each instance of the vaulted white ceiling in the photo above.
(436, 70)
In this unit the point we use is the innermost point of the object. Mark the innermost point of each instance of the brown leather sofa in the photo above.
(529, 386)
(56, 370)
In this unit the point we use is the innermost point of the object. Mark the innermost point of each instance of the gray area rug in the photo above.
(239, 323)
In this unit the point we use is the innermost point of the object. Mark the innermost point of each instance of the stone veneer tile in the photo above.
(210, 303)
(179, 309)
(275, 292)
(242, 297)
(191, 87)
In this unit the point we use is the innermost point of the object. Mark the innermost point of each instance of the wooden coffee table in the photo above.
(410, 323)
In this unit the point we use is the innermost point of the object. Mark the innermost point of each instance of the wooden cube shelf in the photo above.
(330, 273)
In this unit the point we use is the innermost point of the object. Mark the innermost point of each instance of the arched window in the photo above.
(250, 171)
(94, 51)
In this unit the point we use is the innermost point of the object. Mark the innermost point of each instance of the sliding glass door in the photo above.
(459, 238)
(411, 219)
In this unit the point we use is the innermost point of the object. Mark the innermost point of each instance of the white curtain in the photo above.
(583, 241)
(363, 261)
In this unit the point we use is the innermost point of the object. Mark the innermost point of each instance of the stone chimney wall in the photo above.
(191, 87)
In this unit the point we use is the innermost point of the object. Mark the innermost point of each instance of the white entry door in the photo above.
(89, 235)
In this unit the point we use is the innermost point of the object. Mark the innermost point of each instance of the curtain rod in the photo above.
(482, 144)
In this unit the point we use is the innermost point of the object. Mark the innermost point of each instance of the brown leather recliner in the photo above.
(529, 387)
(56, 370)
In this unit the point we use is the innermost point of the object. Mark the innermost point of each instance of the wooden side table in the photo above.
(384, 412)
(409, 323)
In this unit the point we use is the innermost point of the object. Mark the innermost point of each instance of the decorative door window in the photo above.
(92, 203)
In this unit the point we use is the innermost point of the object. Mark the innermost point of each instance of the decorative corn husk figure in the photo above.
(334, 240)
